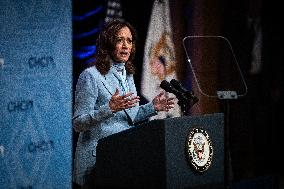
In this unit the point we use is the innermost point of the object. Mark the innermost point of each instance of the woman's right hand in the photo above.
(118, 103)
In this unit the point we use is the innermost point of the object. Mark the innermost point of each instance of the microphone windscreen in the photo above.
(176, 84)
(166, 86)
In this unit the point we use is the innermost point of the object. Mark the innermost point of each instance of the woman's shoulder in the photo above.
(91, 71)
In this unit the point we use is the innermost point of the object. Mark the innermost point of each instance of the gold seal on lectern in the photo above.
(199, 149)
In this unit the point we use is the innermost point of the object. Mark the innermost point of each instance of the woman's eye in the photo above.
(122, 40)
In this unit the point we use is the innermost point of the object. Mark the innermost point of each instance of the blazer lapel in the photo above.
(132, 111)
(131, 84)
(110, 82)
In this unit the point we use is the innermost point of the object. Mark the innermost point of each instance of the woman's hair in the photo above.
(106, 43)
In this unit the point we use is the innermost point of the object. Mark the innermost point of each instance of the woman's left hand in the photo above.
(162, 102)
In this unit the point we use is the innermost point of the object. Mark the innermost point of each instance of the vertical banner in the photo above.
(159, 56)
(36, 94)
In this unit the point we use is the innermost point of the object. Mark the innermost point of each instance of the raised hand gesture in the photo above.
(162, 102)
(121, 102)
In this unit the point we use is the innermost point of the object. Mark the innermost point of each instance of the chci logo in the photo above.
(41, 62)
(199, 150)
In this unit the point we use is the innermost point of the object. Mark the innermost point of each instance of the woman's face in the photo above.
(123, 45)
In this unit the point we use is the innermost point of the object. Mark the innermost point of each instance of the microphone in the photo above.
(186, 99)
(169, 88)
(176, 84)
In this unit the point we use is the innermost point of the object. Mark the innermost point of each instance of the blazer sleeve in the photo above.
(145, 111)
(86, 114)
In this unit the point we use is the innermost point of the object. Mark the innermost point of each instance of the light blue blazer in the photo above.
(94, 119)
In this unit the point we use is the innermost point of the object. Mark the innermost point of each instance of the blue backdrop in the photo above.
(36, 94)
